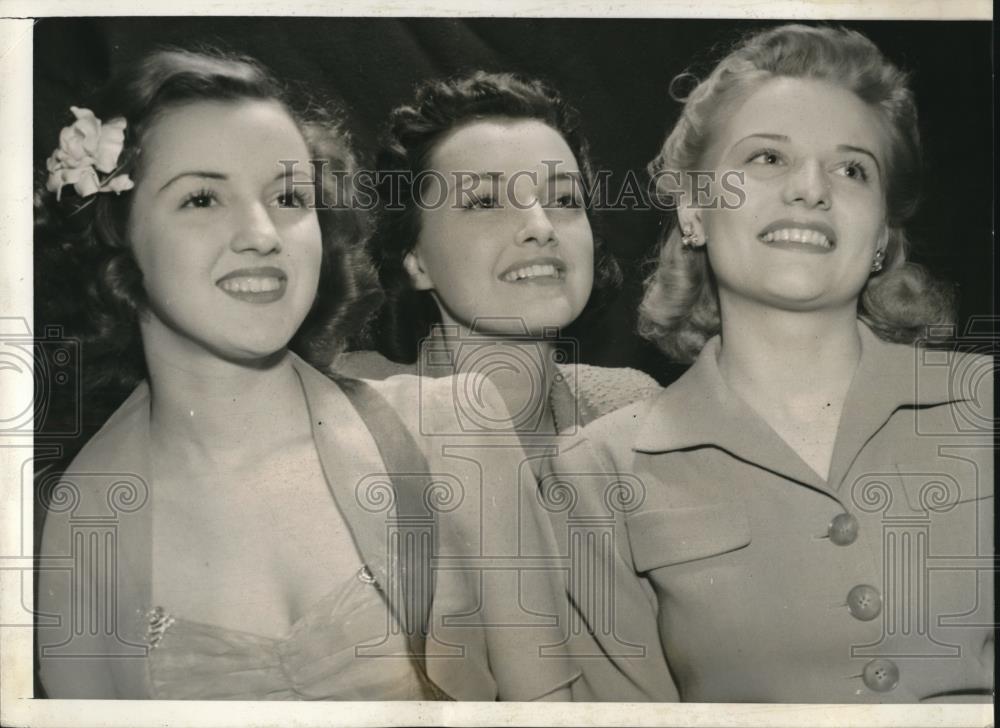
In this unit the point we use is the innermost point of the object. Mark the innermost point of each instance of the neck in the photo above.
(788, 357)
(520, 369)
(209, 410)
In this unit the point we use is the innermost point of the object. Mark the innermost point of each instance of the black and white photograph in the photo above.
(412, 365)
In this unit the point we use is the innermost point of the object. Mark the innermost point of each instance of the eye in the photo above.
(296, 198)
(854, 170)
(767, 157)
(203, 198)
(483, 201)
(568, 200)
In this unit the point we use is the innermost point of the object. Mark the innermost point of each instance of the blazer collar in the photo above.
(700, 410)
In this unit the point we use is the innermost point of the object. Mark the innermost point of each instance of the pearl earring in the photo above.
(877, 260)
(688, 237)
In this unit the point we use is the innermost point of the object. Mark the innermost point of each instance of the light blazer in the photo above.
(731, 531)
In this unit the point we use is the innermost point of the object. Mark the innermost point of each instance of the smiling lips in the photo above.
(541, 270)
(255, 285)
(786, 234)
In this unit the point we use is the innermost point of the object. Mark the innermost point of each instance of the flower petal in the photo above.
(71, 143)
(109, 147)
(53, 163)
(86, 183)
(89, 127)
(56, 181)
(121, 183)
(81, 113)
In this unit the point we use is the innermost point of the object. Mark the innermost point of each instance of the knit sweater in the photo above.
(580, 393)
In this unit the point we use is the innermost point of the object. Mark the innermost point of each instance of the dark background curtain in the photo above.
(616, 72)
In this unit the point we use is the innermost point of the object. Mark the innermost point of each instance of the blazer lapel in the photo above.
(700, 410)
(888, 377)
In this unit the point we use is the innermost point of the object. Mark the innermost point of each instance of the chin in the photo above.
(255, 353)
(801, 301)
(795, 290)
(558, 319)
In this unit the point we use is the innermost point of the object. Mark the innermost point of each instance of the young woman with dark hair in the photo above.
(253, 501)
(487, 249)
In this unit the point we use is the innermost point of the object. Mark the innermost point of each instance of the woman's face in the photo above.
(230, 258)
(512, 240)
(813, 156)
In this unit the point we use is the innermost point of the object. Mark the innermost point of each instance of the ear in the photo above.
(690, 220)
(415, 268)
(883, 239)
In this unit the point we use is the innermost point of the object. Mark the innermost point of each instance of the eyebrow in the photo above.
(503, 175)
(840, 147)
(201, 174)
(772, 137)
(194, 173)
(860, 150)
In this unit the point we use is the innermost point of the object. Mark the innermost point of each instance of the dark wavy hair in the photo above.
(87, 278)
(680, 309)
(414, 132)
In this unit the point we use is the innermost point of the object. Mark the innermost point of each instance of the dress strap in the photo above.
(401, 456)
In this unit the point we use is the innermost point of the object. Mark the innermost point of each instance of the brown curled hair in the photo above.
(87, 278)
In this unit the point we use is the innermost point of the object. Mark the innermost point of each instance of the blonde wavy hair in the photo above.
(680, 308)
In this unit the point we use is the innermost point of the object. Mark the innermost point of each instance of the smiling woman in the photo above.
(203, 209)
(248, 556)
(516, 240)
(487, 251)
(795, 476)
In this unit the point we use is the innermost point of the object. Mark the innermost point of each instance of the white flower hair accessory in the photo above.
(85, 148)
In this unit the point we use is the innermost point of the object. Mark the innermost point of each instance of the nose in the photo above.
(256, 231)
(807, 185)
(535, 226)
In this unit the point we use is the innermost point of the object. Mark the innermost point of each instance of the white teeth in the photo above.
(250, 284)
(532, 271)
(798, 235)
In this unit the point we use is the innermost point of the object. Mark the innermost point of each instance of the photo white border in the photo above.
(735, 9)
(18, 708)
